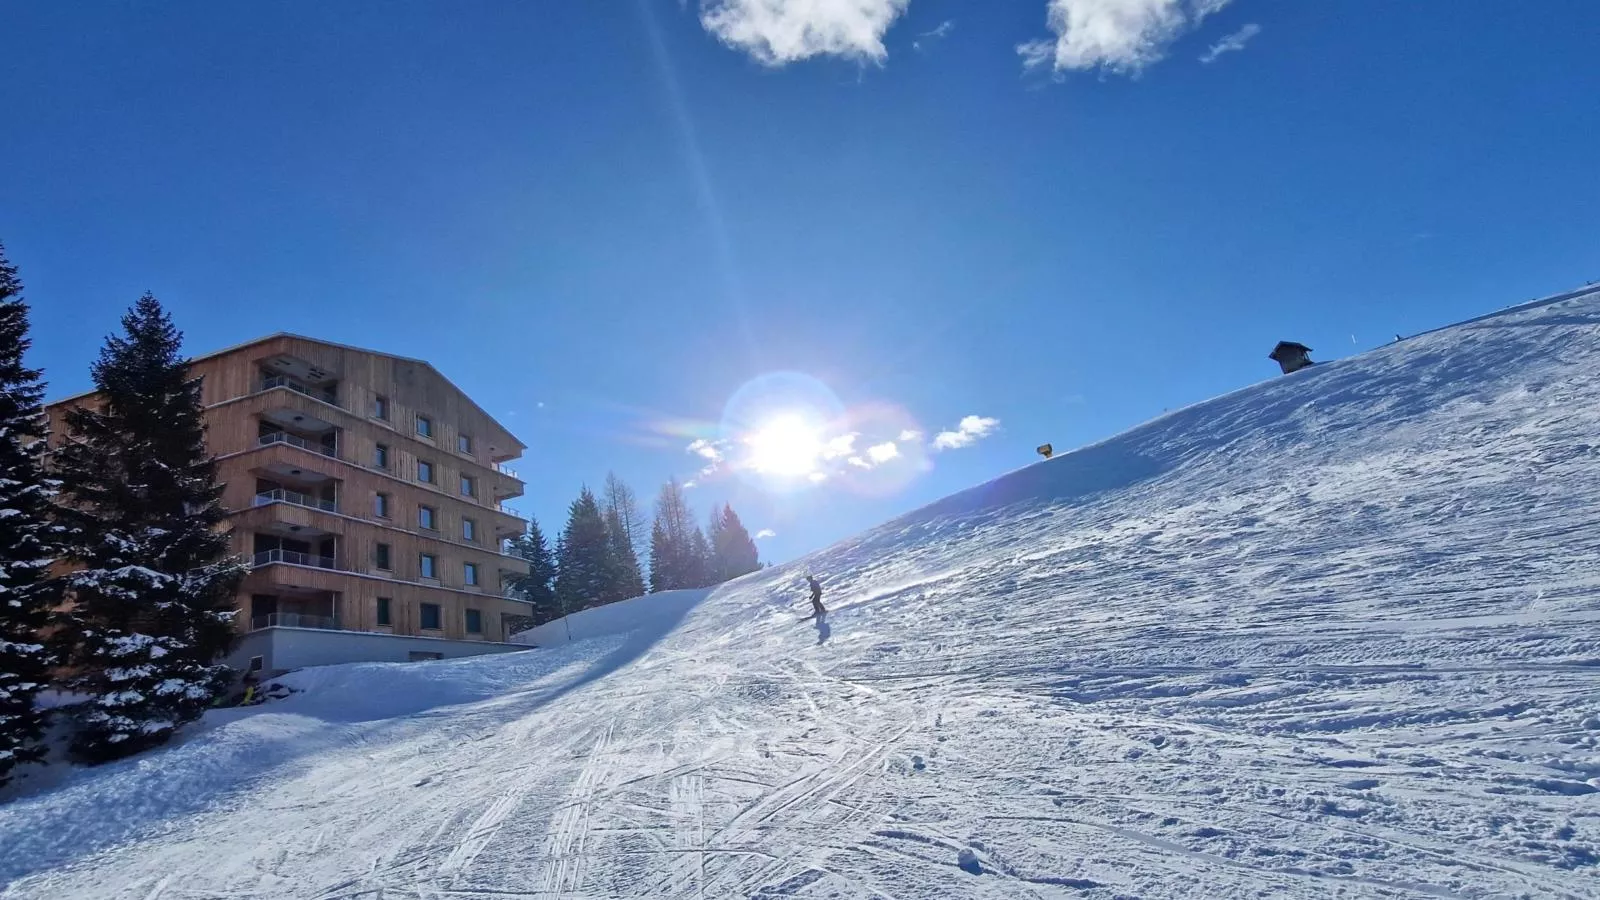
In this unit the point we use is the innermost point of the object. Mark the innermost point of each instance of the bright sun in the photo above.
(785, 446)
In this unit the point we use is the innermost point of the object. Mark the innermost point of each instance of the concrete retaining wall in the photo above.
(282, 649)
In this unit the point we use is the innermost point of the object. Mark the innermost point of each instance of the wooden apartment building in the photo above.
(365, 489)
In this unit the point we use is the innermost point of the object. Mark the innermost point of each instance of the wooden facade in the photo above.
(348, 475)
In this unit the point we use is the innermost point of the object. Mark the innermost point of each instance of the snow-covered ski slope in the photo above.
(1335, 635)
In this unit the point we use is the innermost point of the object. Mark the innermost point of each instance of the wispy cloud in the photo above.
(707, 449)
(927, 39)
(1232, 43)
(777, 32)
(1120, 36)
(968, 431)
(765, 533)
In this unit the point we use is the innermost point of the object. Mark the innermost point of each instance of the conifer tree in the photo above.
(624, 579)
(151, 608)
(732, 549)
(583, 556)
(697, 561)
(622, 502)
(674, 560)
(29, 540)
(538, 586)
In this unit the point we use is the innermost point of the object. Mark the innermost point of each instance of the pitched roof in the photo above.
(301, 337)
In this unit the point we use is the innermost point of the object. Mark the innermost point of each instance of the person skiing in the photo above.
(817, 609)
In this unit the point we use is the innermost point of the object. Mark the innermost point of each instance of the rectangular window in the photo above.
(380, 407)
(428, 565)
(469, 486)
(385, 615)
(380, 557)
(425, 426)
(464, 443)
(469, 572)
(424, 471)
(430, 616)
(469, 530)
(426, 518)
(380, 506)
(474, 621)
(380, 456)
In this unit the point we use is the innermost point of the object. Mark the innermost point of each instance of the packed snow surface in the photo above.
(1334, 635)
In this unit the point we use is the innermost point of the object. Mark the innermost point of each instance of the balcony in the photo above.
(295, 497)
(506, 471)
(325, 394)
(290, 557)
(296, 620)
(295, 440)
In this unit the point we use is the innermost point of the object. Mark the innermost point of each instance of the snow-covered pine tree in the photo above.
(29, 539)
(583, 556)
(151, 608)
(537, 587)
(731, 546)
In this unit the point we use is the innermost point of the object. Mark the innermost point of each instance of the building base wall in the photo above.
(282, 649)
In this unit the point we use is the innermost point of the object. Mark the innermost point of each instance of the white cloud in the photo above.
(842, 445)
(1121, 36)
(1232, 43)
(858, 462)
(776, 32)
(882, 453)
(910, 435)
(928, 38)
(707, 449)
(818, 477)
(687, 485)
(970, 430)
(765, 533)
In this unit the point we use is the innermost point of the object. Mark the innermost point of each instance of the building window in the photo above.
(428, 565)
(469, 530)
(385, 615)
(380, 557)
(424, 471)
(474, 621)
(380, 506)
(255, 664)
(469, 486)
(380, 407)
(469, 572)
(430, 616)
(425, 426)
(426, 518)
(380, 456)
(464, 443)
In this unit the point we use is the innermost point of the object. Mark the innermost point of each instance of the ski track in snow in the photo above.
(1335, 635)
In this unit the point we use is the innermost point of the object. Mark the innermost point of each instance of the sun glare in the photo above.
(785, 446)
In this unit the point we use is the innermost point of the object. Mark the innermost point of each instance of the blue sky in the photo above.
(612, 222)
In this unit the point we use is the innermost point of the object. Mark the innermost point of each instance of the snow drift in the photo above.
(1332, 635)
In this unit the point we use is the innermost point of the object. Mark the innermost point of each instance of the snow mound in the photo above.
(1336, 634)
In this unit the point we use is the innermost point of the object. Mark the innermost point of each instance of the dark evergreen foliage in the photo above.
(151, 609)
(538, 586)
(583, 557)
(29, 540)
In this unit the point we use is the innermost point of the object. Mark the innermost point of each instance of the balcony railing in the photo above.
(326, 395)
(295, 620)
(507, 510)
(295, 440)
(268, 557)
(506, 470)
(298, 499)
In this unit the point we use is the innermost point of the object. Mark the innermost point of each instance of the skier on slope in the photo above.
(817, 609)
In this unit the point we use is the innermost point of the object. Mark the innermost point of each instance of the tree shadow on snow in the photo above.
(94, 809)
